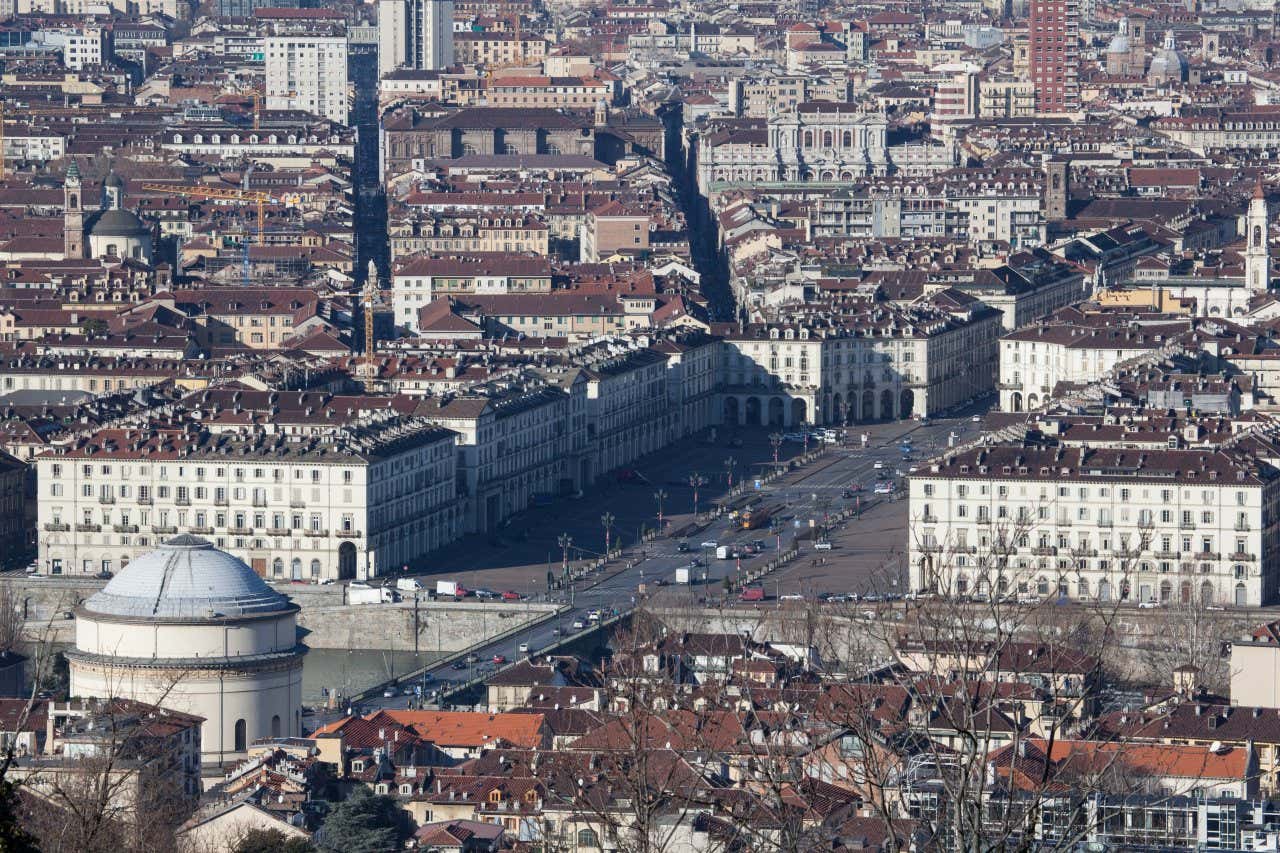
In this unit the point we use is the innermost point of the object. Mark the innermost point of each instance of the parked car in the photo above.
(578, 624)
(459, 664)
(499, 658)
(524, 648)
(822, 546)
(791, 596)
(511, 595)
(683, 547)
(711, 543)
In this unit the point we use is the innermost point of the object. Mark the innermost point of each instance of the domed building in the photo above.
(192, 628)
(117, 232)
(111, 232)
(1120, 52)
(1167, 66)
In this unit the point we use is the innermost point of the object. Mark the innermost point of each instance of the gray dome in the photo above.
(1119, 44)
(118, 223)
(186, 578)
(113, 180)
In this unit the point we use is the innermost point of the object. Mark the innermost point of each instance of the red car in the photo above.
(510, 595)
(499, 658)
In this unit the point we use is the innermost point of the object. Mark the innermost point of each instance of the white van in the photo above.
(408, 584)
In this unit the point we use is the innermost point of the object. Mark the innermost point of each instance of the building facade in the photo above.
(308, 73)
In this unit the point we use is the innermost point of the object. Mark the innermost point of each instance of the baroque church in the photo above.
(110, 232)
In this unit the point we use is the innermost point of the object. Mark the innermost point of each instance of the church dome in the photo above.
(186, 578)
(118, 223)
(1120, 43)
(113, 180)
(1168, 64)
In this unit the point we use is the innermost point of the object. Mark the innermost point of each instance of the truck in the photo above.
(362, 593)
(682, 575)
(450, 589)
(408, 584)
(725, 552)
(753, 593)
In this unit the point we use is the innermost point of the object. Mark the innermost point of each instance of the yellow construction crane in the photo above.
(223, 194)
(369, 369)
(218, 194)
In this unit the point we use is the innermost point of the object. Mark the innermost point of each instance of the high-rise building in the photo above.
(414, 34)
(1053, 34)
(308, 73)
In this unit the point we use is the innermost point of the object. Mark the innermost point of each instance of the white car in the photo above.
(578, 624)
(1148, 605)
(711, 543)
(879, 465)
(884, 488)
(524, 648)
(977, 419)
(791, 596)
(822, 546)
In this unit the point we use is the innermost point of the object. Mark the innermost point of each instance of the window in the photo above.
(241, 738)
(588, 838)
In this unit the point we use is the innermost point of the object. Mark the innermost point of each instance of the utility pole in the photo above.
(606, 521)
(660, 496)
(775, 439)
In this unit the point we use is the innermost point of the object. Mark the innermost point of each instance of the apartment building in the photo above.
(493, 232)
(1034, 359)
(863, 362)
(498, 48)
(351, 501)
(513, 446)
(415, 34)
(417, 281)
(1097, 524)
(627, 409)
(308, 73)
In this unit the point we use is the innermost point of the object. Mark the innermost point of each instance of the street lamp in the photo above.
(606, 521)
(565, 540)
(660, 496)
(695, 480)
(729, 465)
(775, 439)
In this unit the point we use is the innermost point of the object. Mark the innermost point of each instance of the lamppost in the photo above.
(695, 481)
(660, 496)
(606, 521)
(729, 465)
(775, 439)
(565, 540)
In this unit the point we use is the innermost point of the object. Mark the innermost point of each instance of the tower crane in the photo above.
(222, 194)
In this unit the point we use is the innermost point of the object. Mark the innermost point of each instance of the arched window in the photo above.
(827, 139)
(848, 139)
(1257, 235)
(315, 568)
(588, 838)
(808, 139)
(296, 566)
(242, 741)
(74, 201)
(277, 567)
(275, 726)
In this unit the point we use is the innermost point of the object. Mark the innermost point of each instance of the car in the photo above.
(473, 658)
(711, 543)
(511, 595)
(33, 568)
(484, 593)
(884, 488)
(758, 544)
(389, 693)
(977, 419)
(327, 582)
(524, 648)
(555, 632)
(879, 465)
(683, 548)
(499, 658)
(1150, 604)
(822, 546)
(105, 575)
(697, 563)
(578, 624)
(459, 664)
(791, 596)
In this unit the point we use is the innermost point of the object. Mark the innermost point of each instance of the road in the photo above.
(809, 492)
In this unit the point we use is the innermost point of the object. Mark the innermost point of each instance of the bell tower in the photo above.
(72, 214)
(1257, 256)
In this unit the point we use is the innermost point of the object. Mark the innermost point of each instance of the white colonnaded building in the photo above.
(194, 629)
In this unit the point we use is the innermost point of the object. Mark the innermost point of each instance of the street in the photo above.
(865, 554)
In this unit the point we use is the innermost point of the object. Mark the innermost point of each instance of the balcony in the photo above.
(1048, 551)
(202, 531)
(297, 504)
(1146, 523)
(143, 500)
(983, 520)
(929, 519)
(1105, 522)
(348, 534)
(240, 531)
(1084, 552)
(277, 531)
(88, 528)
(182, 501)
(163, 529)
(57, 527)
(125, 528)
(1206, 555)
(106, 499)
(1063, 522)
(1243, 526)
(260, 502)
(1243, 557)
(1167, 555)
(1186, 525)
(315, 533)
